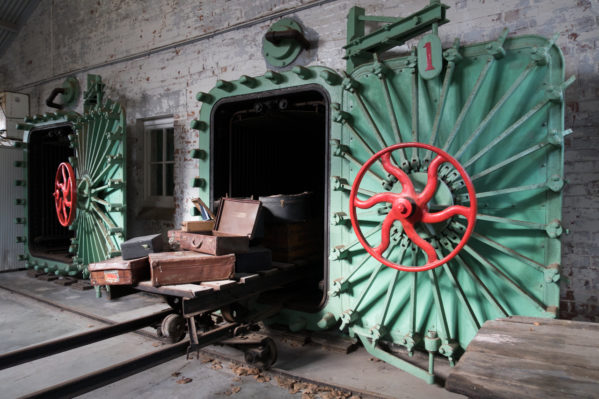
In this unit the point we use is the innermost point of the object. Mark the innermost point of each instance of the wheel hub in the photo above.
(412, 207)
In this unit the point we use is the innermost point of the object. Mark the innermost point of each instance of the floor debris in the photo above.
(184, 380)
(312, 391)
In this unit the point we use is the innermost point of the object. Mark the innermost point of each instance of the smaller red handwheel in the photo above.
(410, 207)
(65, 194)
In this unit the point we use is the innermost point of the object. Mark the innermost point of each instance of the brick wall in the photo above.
(154, 58)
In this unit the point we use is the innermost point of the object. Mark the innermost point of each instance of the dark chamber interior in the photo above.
(276, 143)
(47, 148)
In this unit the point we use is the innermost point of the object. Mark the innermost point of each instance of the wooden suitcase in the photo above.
(235, 226)
(183, 267)
(117, 271)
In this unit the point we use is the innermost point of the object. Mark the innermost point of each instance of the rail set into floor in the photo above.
(192, 308)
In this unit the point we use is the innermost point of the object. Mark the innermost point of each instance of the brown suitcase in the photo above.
(183, 267)
(235, 225)
(117, 271)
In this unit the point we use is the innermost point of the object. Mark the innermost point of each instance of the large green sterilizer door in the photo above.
(445, 181)
(74, 185)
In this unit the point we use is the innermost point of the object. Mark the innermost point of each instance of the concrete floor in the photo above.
(25, 321)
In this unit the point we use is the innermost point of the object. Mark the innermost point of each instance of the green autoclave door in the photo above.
(74, 185)
(444, 184)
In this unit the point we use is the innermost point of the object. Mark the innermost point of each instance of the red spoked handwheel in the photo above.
(411, 207)
(65, 194)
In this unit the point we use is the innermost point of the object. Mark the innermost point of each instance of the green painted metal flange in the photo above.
(98, 149)
(497, 108)
(71, 93)
(280, 53)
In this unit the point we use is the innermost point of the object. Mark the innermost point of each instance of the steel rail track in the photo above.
(110, 374)
(73, 310)
(53, 347)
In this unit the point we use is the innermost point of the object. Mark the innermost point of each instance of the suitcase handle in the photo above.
(195, 243)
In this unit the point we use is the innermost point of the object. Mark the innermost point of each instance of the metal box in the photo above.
(141, 246)
(14, 107)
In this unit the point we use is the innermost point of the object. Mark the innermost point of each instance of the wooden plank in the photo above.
(284, 266)
(525, 357)
(542, 334)
(481, 375)
(537, 348)
(218, 285)
(267, 272)
(178, 290)
(577, 325)
(245, 277)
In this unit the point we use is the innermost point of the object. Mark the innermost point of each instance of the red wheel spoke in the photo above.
(431, 184)
(385, 234)
(445, 214)
(406, 184)
(420, 242)
(375, 199)
(411, 208)
(65, 195)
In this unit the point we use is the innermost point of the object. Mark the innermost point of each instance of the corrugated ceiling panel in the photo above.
(13, 12)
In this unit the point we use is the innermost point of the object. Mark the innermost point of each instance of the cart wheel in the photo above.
(264, 356)
(234, 312)
(172, 329)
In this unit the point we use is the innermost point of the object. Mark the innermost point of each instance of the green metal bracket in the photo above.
(283, 43)
(360, 46)
(94, 93)
(425, 375)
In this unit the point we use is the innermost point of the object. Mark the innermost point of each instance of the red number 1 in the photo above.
(429, 57)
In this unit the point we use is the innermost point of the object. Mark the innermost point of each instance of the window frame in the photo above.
(157, 201)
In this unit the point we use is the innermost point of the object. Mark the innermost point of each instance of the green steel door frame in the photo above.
(99, 147)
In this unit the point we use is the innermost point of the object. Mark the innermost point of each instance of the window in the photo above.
(159, 162)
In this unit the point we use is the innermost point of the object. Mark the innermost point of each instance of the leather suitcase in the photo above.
(139, 247)
(183, 267)
(117, 271)
(257, 258)
(212, 243)
(235, 226)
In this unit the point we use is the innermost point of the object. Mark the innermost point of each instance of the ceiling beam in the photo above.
(8, 26)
